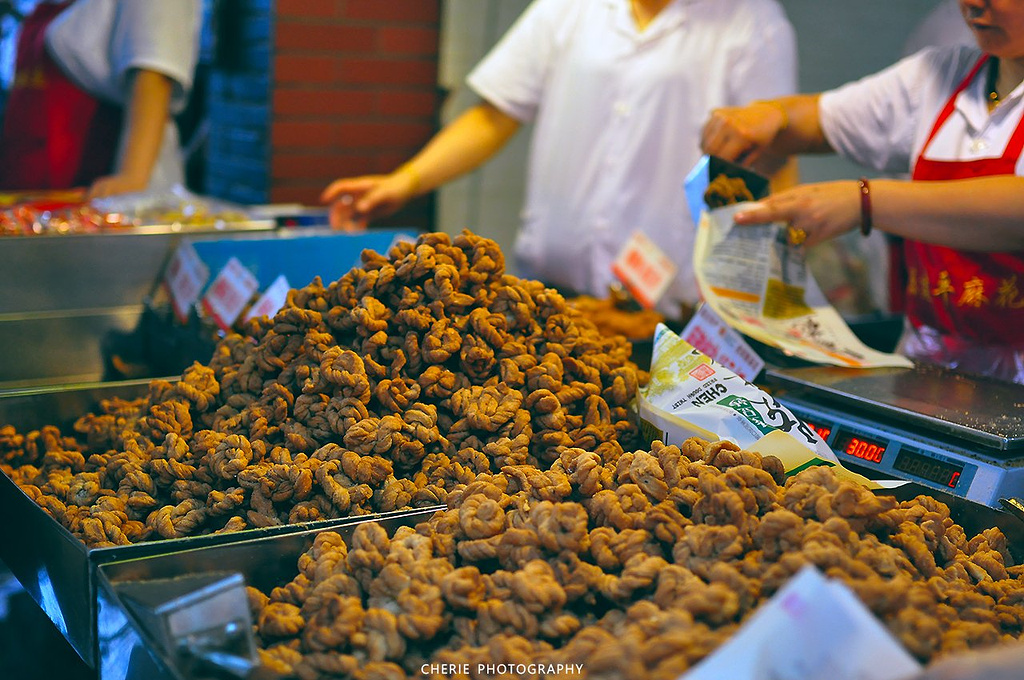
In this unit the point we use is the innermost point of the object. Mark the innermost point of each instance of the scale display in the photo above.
(956, 433)
(862, 448)
(898, 454)
(923, 467)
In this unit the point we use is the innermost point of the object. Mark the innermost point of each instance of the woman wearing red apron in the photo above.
(954, 118)
(55, 134)
(79, 65)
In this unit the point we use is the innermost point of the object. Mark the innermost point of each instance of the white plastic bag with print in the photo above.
(691, 395)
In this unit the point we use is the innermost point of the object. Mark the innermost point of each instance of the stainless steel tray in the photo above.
(61, 295)
(53, 566)
(127, 652)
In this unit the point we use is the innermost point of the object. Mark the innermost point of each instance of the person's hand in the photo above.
(813, 212)
(116, 184)
(358, 200)
(743, 133)
(1005, 662)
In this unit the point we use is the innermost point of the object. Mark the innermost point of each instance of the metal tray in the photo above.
(53, 566)
(128, 652)
(61, 296)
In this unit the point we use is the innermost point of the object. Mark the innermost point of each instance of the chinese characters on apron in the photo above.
(966, 308)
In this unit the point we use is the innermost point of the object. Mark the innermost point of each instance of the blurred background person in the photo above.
(95, 88)
(617, 91)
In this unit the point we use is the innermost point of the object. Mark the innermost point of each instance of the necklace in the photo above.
(990, 83)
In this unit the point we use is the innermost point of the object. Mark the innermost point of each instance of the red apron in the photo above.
(55, 135)
(970, 299)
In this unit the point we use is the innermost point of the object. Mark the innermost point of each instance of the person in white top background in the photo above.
(100, 79)
(617, 91)
(952, 117)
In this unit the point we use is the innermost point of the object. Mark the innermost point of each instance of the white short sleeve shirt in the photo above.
(98, 43)
(617, 116)
(883, 121)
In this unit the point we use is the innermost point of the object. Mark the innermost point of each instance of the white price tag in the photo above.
(184, 278)
(644, 269)
(272, 300)
(229, 293)
(707, 332)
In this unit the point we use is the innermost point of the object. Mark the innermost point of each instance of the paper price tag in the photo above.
(644, 269)
(709, 333)
(272, 300)
(229, 293)
(184, 279)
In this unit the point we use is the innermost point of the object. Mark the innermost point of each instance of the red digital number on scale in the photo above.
(860, 447)
(822, 431)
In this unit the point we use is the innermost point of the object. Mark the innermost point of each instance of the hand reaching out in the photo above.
(358, 200)
(115, 184)
(743, 133)
(820, 211)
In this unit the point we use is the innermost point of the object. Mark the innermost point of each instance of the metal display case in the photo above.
(60, 295)
(54, 567)
(128, 646)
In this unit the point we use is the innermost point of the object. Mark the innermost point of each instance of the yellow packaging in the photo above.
(690, 395)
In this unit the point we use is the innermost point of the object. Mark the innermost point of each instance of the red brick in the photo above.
(407, 40)
(324, 166)
(386, 161)
(306, 8)
(390, 72)
(401, 11)
(308, 194)
(291, 68)
(336, 38)
(304, 101)
(307, 134)
(386, 135)
(408, 103)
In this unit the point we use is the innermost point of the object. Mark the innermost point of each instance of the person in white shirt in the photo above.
(98, 80)
(617, 91)
(140, 54)
(952, 117)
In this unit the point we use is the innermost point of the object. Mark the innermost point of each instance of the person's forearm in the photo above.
(146, 116)
(802, 132)
(463, 145)
(982, 214)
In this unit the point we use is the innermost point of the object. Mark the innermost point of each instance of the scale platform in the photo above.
(956, 433)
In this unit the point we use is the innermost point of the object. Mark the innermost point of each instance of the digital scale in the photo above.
(959, 434)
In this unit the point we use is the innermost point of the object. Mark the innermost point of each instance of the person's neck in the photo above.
(1011, 73)
(645, 11)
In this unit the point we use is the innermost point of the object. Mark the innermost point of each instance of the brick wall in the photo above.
(322, 89)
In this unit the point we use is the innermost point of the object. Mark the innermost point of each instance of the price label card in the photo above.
(272, 300)
(184, 278)
(229, 293)
(707, 332)
(644, 269)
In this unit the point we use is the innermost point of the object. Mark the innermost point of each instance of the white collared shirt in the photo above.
(882, 121)
(618, 114)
